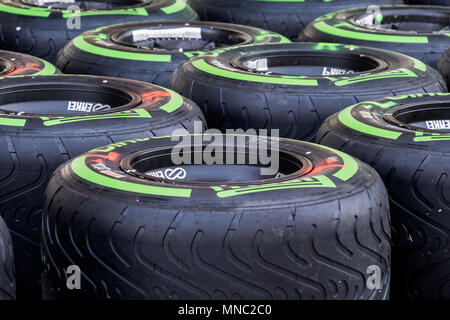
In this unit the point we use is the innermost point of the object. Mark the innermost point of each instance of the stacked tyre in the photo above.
(216, 232)
(47, 120)
(160, 209)
(406, 139)
(151, 51)
(42, 28)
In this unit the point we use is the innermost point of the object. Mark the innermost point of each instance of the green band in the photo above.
(11, 122)
(83, 45)
(30, 11)
(178, 6)
(48, 69)
(326, 28)
(346, 118)
(175, 102)
(80, 168)
(202, 65)
(350, 165)
(131, 11)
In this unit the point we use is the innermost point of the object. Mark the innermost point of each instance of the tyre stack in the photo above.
(142, 78)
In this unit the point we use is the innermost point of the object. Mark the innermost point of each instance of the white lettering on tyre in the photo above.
(335, 71)
(79, 106)
(169, 174)
(438, 124)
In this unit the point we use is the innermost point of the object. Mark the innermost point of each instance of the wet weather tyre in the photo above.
(40, 30)
(285, 17)
(7, 275)
(17, 64)
(151, 51)
(418, 31)
(294, 87)
(407, 140)
(444, 66)
(47, 120)
(310, 233)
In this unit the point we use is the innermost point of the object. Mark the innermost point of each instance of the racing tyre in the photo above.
(17, 64)
(422, 32)
(286, 17)
(407, 140)
(7, 276)
(141, 227)
(151, 51)
(47, 120)
(42, 28)
(294, 87)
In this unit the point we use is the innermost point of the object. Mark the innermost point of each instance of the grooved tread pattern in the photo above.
(7, 271)
(285, 18)
(129, 251)
(26, 165)
(45, 37)
(443, 66)
(232, 104)
(419, 189)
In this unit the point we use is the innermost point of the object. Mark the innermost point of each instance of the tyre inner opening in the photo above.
(158, 165)
(429, 117)
(32, 100)
(307, 64)
(86, 4)
(417, 21)
(180, 38)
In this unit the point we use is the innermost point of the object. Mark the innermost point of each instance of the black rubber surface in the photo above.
(161, 48)
(414, 163)
(418, 31)
(29, 29)
(443, 66)
(287, 18)
(43, 130)
(297, 85)
(7, 274)
(18, 64)
(309, 235)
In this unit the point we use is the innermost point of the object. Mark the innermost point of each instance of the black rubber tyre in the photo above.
(151, 51)
(391, 135)
(309, 234)
(43, 30)
(444, 66)
(285, 17)
(17, 64)
(34, 142)
(418, 31)
(296, 98)
(7, 275)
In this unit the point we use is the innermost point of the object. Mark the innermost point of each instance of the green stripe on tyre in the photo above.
(80, 168)
(175, 102)
(29, 11)
(49, 69)
(347, 119)
(83, 45)
(177, 6)
(202, 65)
(326, 28)
(130, 11)
(12, 122)
(350, 165)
